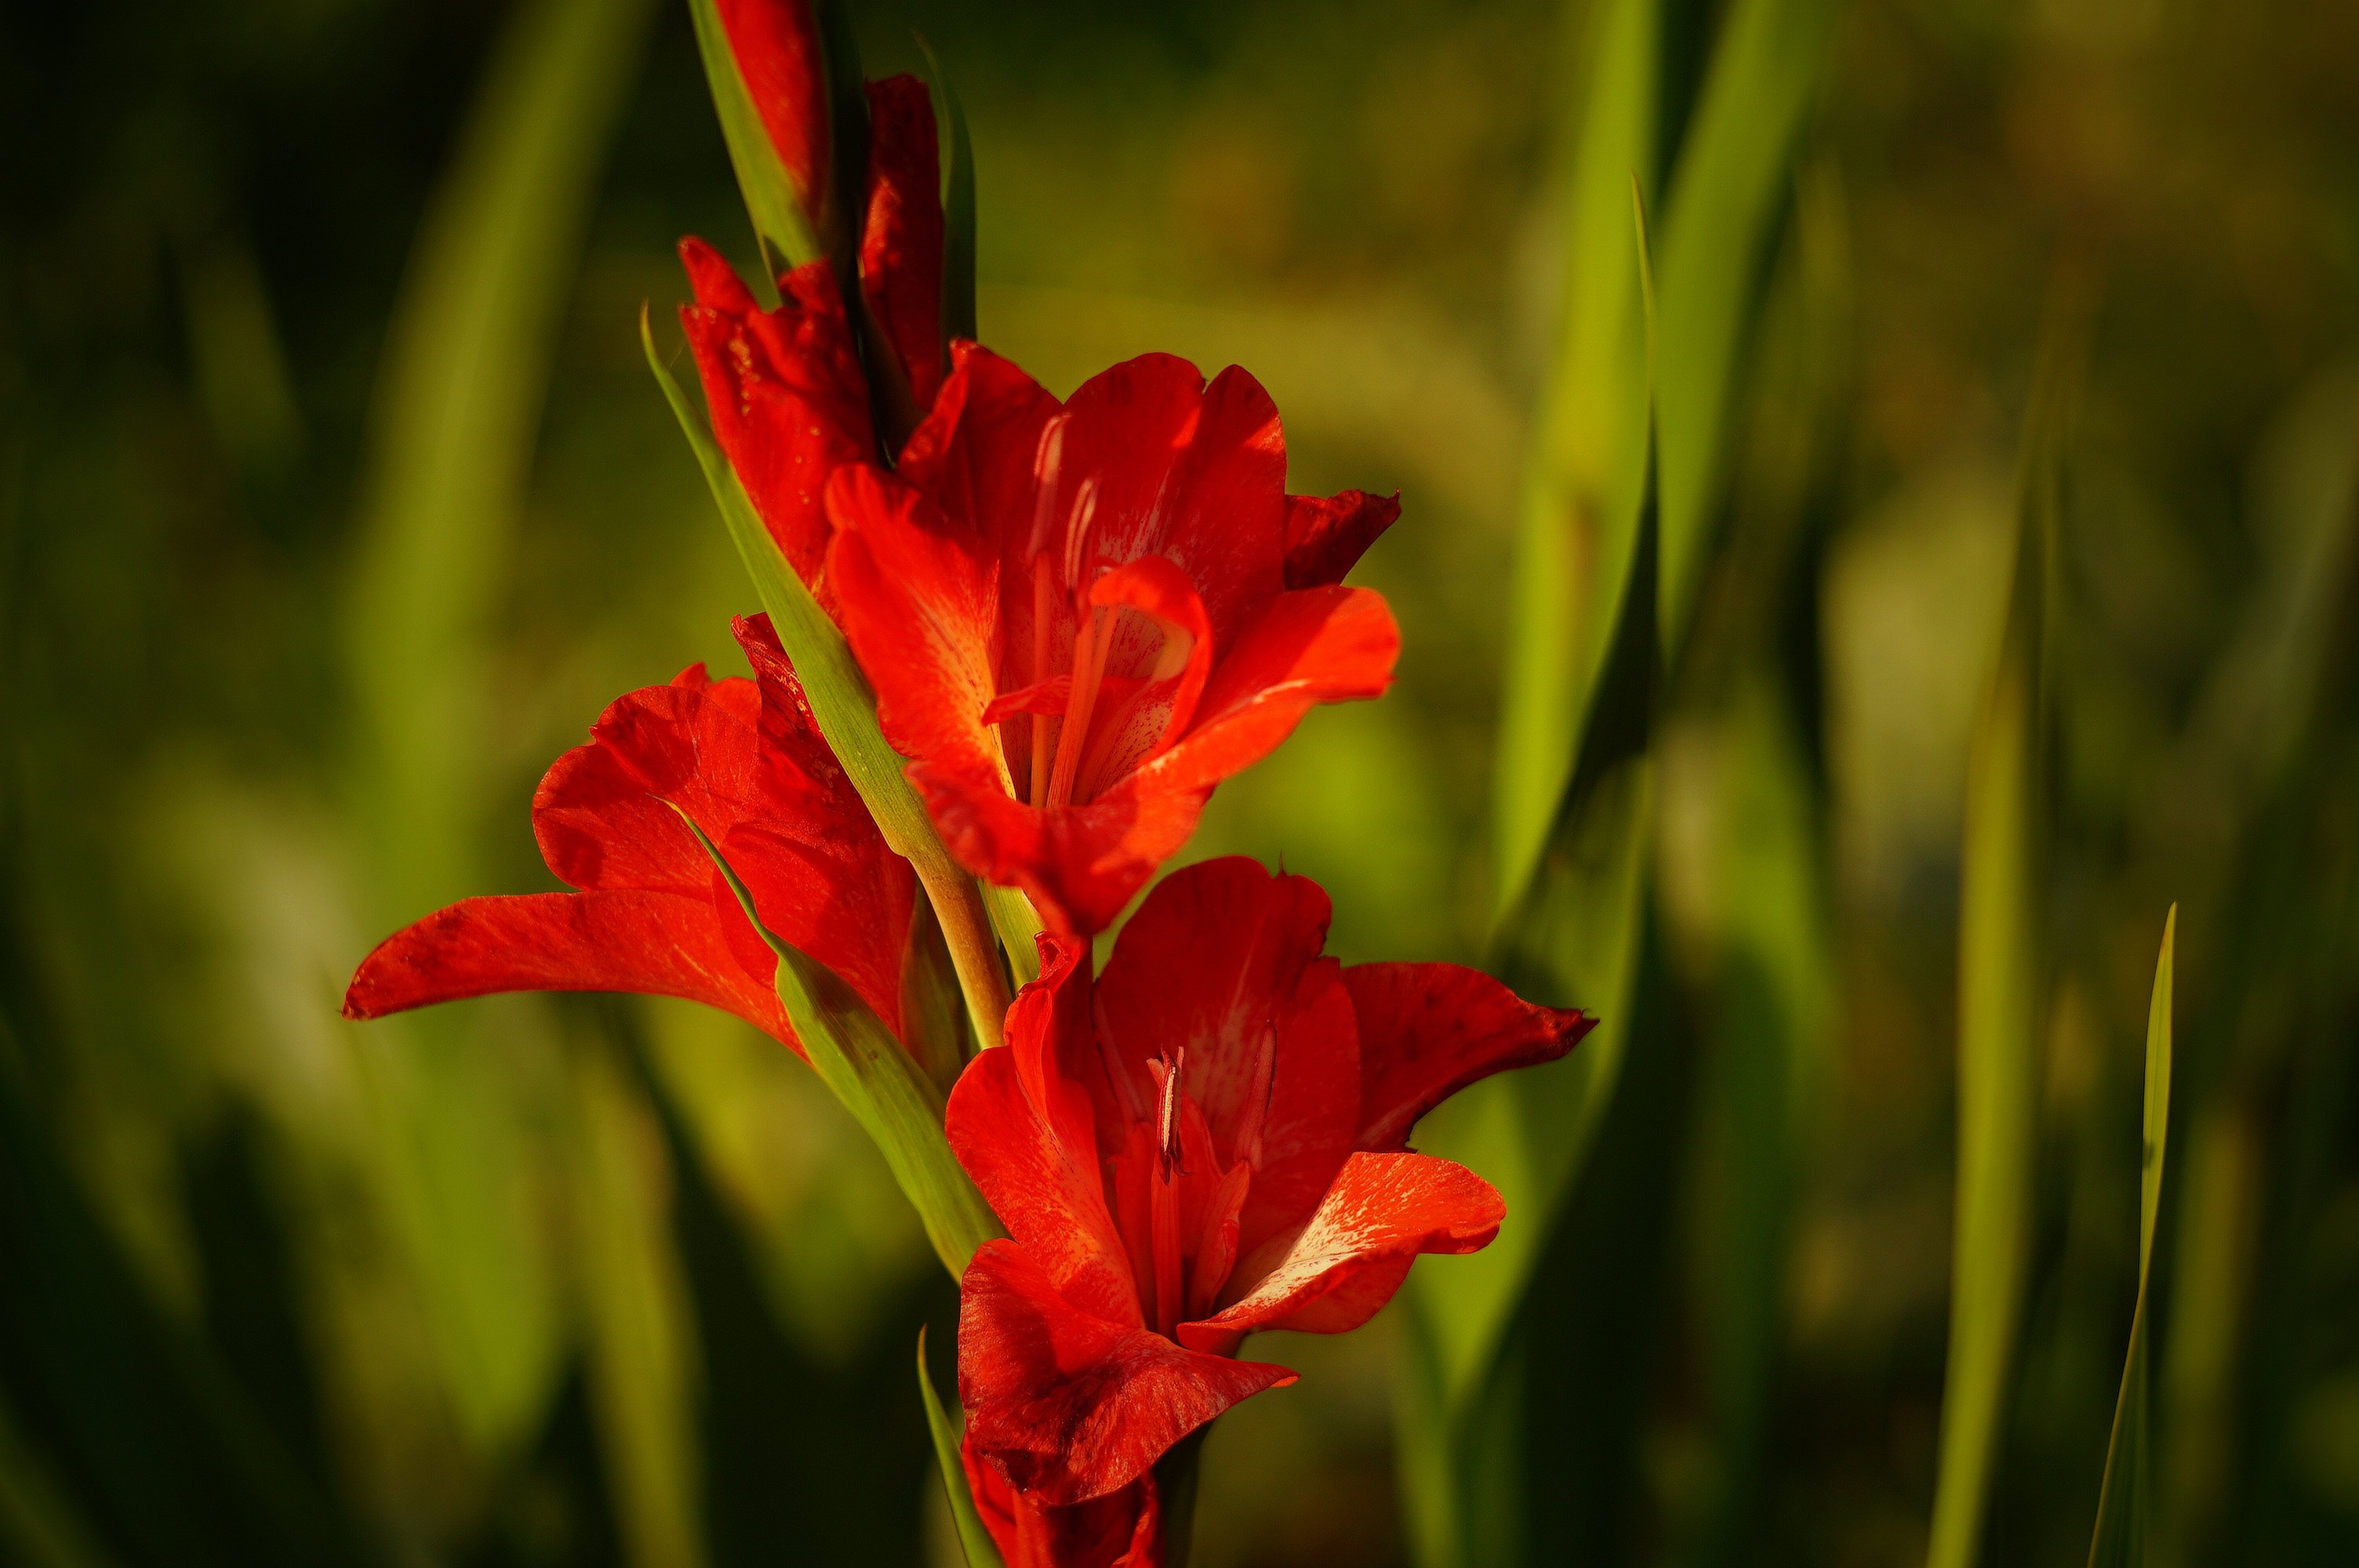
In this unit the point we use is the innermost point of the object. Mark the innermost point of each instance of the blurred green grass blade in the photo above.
(1573, 935)
(163, 1455)
(882, 1087)
(39, 1525)
(957, 204)
(1733, 185)
(2125, 1504)
(973, 1538)
(456, 418)
(642, 1350)
(845, 709)
(786, 233)
(1999, 949)
(1577, 514)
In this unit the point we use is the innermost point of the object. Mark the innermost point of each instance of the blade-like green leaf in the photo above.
(957, 204)
(1998, 1010)
(1577, 516)
(845, 710)
(1568, 936)
(786, 232)
(981, 1551)
(2125, 1503)
(455, 418)
(641, 1360)
(1733, 185)
(882, 1087)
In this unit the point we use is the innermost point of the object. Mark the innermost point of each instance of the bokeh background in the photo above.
(335, 501)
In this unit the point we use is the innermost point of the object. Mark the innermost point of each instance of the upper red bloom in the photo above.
(1079, 618)
(743, 759)
(789, 401)
(777, 46)
(1210, 1141)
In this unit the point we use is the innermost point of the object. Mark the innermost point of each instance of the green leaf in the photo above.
(1999, 945)
(455, 418)
(882, 1087)
(1577, 515)
(1570, 935)
(957, 204)
(786, 230)
(1733, 187)
(973, 1538)
(639, 1329)
(845, 709)
(2125, 1502)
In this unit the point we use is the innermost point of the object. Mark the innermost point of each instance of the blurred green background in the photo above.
(335, 501)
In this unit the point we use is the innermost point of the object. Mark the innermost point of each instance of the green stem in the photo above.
(975, 951)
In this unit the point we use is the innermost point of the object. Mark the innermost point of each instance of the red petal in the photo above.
(789, 403)
(600, 814)
(920, 606)
(1067, 1406)
(1192, 473)
(1322, 645)
(1121, 1530)
(1079, 865)
(1154, 586)
(973, 456)
(1221, 952)
(653, 943)
(1428, 1029)
(1024, 1124)
(1326, 535)
(1381, 1211)
(901, 242)
(777, 50)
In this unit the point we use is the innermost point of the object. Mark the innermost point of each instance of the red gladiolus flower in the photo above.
(744, 759)
(1210, 1141)
(1079, 618)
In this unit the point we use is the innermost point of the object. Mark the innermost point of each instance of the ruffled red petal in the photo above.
(918, 604)
(656, 944)
(1428, 1029)
(1067, 1406)
(788, 403)
(1380, 1213)
(1326, 535)
(1323, 645)
(744, 759)
(1023, 1123)
(777, 46)
(901, 240)
(1220, 957)
(1121, 1530)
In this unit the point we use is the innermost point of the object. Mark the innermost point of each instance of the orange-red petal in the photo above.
(1428, 1029)
(1379, 1214)
(1067, 1406)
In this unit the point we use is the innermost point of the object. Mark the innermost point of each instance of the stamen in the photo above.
(1044, 608)
(1169, 1156)
(1048, 457)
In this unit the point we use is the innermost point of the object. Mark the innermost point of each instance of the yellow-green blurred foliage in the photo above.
(335, 502)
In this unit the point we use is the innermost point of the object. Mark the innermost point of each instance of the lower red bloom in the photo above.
(1122, 1529)
(1210, 1141)
(744, 759)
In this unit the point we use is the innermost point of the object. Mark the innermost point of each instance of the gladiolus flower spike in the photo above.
(1210, 1140)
